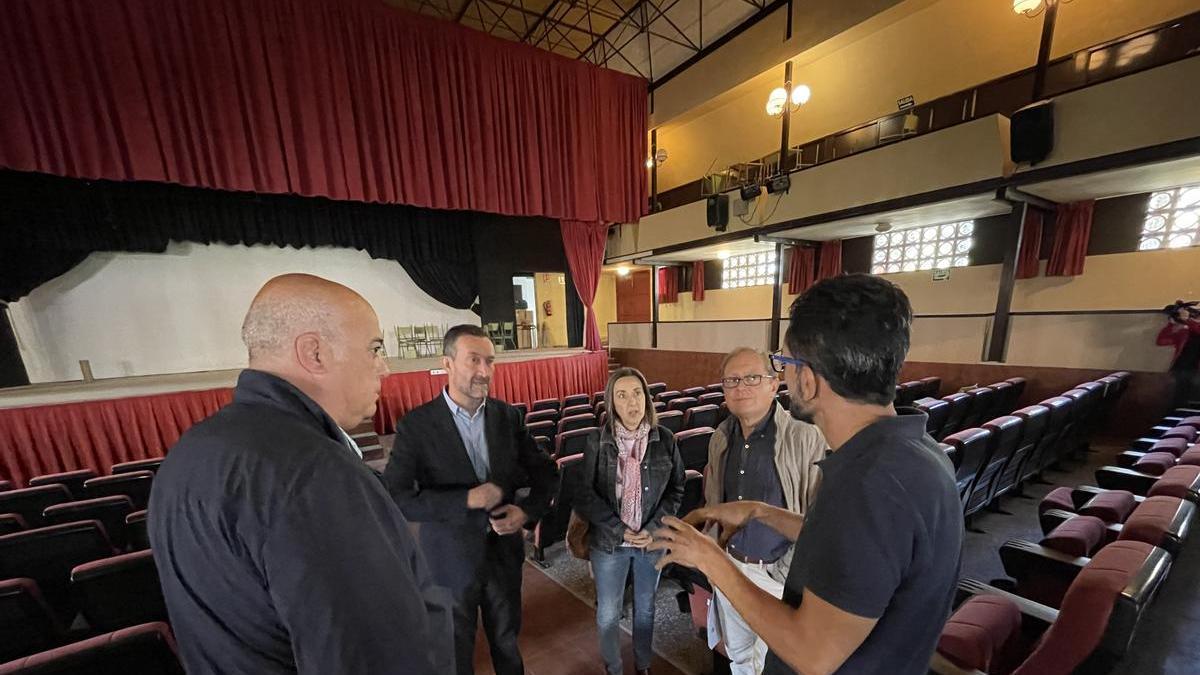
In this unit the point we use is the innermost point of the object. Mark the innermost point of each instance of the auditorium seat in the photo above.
(712, 397)
(1184, 432)
(29, 503)
(576, 399)
(715, 388)
(983, 400)
(599, 408)
(1033, 429)
(120, 591)
(931, 387)
(541, 416)
(659, 406)
(27, 624)
(135, 530)
(1095, 625)
(906, 393)
(1017, 391)
(576, 410)
(1179, 481)
(1062, 412)
(574, 441)
(701, 416)
(683, 403)
(522, 408)
(598, 397)
(546, 428)
(693, 492)
(11, 522)
(577, 422)
(656, 388)
(73, 480)
(694, 392)
(552, 527)
(722, 412)
(151, 464)
(1084, 403)
(546, 404)
(1001, 404)
(693, 447)
(48, 554)
(936, 412)
(5, 486)
(1006, 436)
(109, 511)
(135, 485)
(951, 452)
(148, 649)
(960, 405)
(668, 396)
(973, 446)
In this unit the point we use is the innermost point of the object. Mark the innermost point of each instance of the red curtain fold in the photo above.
(584, 245)
(800, 273)
(346, 99)
(1031, 244)
(95, 435)
(668, 284)
(831, 260)
(698, 280)
(1072, 229)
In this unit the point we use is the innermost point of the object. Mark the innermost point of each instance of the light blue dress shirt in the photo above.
(472, 430)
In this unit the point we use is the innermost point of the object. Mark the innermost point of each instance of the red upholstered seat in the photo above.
(694, 392)
(1184, 432)
(1179, 481)
(1193, 421)
(151, 464)
(979, 631)
(541, 416)
(577, 422)
(48, 554)
(576, 399)
(693, 492)
(574, 441)
(547, 404)
(552, 528)
(1175, 446)
(73, 480)
(1155, 463)
(119, 591)
(667, 396)
(671, 419)
(693, 447)
(656, 388)
(568, 411)
(683, 403)
(11, 522)
(134, 484)
(136, 531)
(27, 623)
(1079, 536)
(148, 649)
(1153, 521)
(31, 502)
(110, 511)
(1191, 457)
(1110, 506)
(701, 416)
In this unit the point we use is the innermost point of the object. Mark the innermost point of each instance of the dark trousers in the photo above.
(496, 595)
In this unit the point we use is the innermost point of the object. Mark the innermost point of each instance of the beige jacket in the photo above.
(798, 446)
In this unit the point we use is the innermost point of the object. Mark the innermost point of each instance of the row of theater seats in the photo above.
(79, 591)
(967, 409)
(998, 457)
(1077, 596)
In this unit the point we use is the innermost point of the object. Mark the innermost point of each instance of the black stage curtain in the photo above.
(575, 313)
(50, 224)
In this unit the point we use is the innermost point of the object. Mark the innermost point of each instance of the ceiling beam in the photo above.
(549, 8)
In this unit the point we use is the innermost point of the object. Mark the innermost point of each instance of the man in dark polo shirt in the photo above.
(876, 557)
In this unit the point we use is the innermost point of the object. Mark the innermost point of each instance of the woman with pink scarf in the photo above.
(633, 476)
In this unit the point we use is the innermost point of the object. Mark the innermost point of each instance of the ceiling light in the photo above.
(781, 97)
(623, 271)
(883, 227)
(776, 101)
(800, 95)
(1027, 7)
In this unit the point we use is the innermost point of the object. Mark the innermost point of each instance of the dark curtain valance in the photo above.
(346, 99)
(49, 224)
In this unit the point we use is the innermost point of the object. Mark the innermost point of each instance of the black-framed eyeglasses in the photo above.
(779, 361)
(747, 380)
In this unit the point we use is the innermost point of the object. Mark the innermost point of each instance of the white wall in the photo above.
(181, 311)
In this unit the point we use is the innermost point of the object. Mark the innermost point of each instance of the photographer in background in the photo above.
(1183, 333)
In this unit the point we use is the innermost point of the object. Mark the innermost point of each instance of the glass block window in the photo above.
(924, 248)
(1172, 219)
(752, 269)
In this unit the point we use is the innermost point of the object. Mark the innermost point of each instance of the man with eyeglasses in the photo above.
(758, 454)
(877, 555)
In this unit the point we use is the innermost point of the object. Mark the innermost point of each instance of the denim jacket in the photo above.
(598, 502)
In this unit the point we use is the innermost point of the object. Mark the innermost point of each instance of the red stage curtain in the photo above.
(1031, 244)
(1072, 229)
(97, 434)
(831, 260)
(800, 269)
(584, 245)
(668, 284)
(347, 99)
(698, 280)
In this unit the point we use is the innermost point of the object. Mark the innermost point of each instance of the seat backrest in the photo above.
(576, 399)
(29, 503)
(960, 405)
(973, 446)
(715, 388)
(547, 404)
(73, 480)
(48, 554)
(932, 386)
(522, 408)
(656, 388)
(577, 422)
(671, 419)
(694, 392)
(136, 531)
(983, 399)
(573, 442)
(906, 393)
(659, 406)
(151, 464)
(951, 452)
(713, 397)
(1018, 389)
(547, 428)
(598, 397)
(1027, 455)
(1101, 609)
(668, 396)
(1003, 403)
(1057, 427)
(27, 624)
(693, 447)
(541, 416)
(553, 525)
(148, 649)
(135, 485)
(701, 416)
(576, 410)
(119, 591)
(110, 511)
(12, 522)
(936, 412)
(600, 407)
(1006, 436)
(693, 492)
(683, 403)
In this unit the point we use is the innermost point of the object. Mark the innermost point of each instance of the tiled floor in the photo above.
(558, 636)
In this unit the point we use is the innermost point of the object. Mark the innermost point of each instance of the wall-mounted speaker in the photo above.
(718, 212)
(1031, 133)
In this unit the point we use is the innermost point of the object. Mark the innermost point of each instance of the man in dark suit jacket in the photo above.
(455, 469)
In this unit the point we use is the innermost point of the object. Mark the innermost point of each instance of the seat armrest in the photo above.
(1118, 478)
(1031, 611)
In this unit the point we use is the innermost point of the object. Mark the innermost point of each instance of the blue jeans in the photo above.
(610, 571)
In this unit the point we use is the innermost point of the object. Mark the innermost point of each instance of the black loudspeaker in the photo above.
(1031, 132)
(718, 212)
